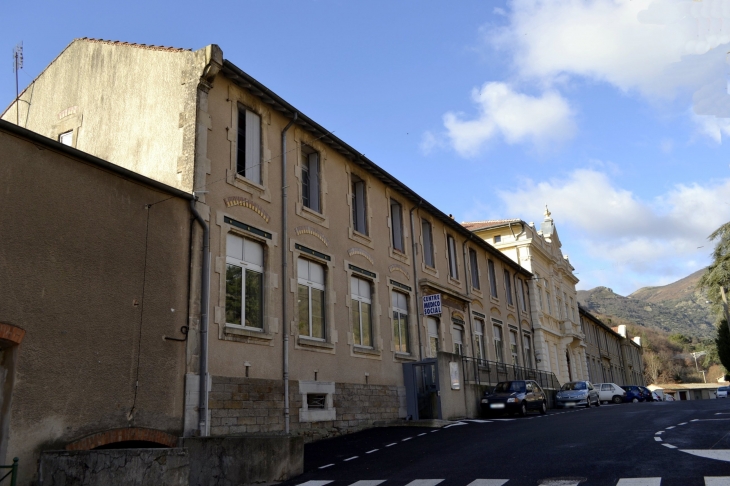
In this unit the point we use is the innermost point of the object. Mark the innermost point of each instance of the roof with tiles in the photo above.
(132, 44)
(489, 223)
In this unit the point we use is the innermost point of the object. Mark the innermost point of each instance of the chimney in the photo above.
(622, 330)
(637, 340)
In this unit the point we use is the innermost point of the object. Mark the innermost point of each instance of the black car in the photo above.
(515, 397)
(648, 395)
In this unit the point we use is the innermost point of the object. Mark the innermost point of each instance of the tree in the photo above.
(717, 275)
(723, 344)
(652, 367)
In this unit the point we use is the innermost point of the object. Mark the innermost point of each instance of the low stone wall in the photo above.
(250, 405)
(112, 467)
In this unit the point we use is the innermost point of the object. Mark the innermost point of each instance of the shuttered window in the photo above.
(427, 243)
(453, 268)
(310, 179)
(359, 205)
(248, 163)
(396, 220)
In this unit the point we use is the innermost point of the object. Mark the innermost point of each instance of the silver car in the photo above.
(577, 393)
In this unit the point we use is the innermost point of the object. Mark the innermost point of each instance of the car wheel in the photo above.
(588, 402)
(543, 408)
(523, 409)
(635, 400)
(617, 399)
(598, 402)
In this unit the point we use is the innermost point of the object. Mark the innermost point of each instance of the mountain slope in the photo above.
(677, 307)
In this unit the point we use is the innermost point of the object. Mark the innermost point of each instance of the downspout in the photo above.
(284, 240)
(415, 279)
(469, 316)
(204, 304)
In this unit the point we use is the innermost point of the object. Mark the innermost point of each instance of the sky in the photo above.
(613, 113)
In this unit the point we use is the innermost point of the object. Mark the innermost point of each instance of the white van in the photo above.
(610, 392)
(722, 391)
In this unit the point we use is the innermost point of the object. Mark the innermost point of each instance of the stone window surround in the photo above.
(71, 123)
(301, 137)
(330, 296)
(241, 99)
(412, 329)
(232, 332)
(375, 312)
(425, 268)
(320, 388)
(356, 236)
(401, 256)
(472, 289)
(456, 282)
(492, 298)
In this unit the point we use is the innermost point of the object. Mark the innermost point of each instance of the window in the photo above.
(498, 344)
(67, 138)
(359, 205)
(310, 299)
(457, 333)
(453, 270)
(433, 335)
(539, 293)
(396, 220)
(521, 294)
(427, 243)
(248, 158)
(474, 268)
(400, 322)
(310, 179)
(513, 346)
(492, 279)
(479, 339)
(362, 328)
(528, 351)
(244, 282)
(497, 238)
(560, 308)
(549, 305)
(508, 287)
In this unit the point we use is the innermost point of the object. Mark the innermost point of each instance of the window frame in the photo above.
(457, 330)
(428, 249)
(301, 282)
(311, 185)
(497, 332)
(356, 298)
(245, 267)
(396, 226)
(452, 257)
(359, 210)
(433, 350)
(514, 347)
(400, 315)
(243, 135)
(480, 350)
(474, 266)
(508, 287)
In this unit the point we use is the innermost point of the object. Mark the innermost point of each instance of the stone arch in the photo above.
(125, 434)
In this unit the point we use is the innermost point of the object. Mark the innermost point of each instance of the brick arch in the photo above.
(11, 334)
(122, 435)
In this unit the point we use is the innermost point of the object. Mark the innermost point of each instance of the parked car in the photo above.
(515, 397)
(633, 394)
(575, 393)
(657, 397)
(722, 391)
(610, 392)
(648, 395)
(669, 398)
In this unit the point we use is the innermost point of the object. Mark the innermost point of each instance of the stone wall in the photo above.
(252, 405)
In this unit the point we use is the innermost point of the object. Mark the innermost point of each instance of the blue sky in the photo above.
(614, 113)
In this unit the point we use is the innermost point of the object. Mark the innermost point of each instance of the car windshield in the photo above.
(510, 386)
(578, 385)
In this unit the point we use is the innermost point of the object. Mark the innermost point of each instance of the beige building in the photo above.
(559, 341)
(94, 271)
(608, 359)
(318, 257)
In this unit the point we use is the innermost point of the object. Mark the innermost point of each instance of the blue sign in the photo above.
(431, 304)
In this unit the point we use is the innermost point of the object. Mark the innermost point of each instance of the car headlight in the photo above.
(484, 400)
(511, 400)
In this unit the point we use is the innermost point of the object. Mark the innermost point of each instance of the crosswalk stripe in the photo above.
(315, 483)
(488, 482)
(559, 482)
(639, 482)
(425, 482)
(717, 481)
(374, 482)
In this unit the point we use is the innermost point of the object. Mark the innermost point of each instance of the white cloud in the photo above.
(712, 127)
(512, 116)
(615, 226)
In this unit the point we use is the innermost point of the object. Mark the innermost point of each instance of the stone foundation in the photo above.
(255, 406)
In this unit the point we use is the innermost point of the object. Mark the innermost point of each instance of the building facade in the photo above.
(604, 355)
(318, 257)
(94, 264)
(559, 341)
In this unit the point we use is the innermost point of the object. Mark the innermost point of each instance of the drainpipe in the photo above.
(415, 279)
(467, 264)
(204, 304)
(284, 241)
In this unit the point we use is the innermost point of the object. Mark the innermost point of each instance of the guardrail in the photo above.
(13, 473)
(489, 373)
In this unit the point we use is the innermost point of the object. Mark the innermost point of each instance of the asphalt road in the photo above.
(664, 443)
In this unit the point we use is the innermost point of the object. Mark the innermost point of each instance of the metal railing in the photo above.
(13, 473)
(483, 372)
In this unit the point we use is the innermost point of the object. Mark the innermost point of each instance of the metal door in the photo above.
(422, 390)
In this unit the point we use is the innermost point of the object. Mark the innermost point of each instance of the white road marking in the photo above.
(319, 483)
(504, 420)
(717, 454)
(407, 438)
(394, 443)
(374, 482)
(639, 482)
(717, 480)
(558, 482)
(658, 439)
(350, 458)
(455, 424)
(419, 435)
(720, 413)
(668, 428)
(424, 482)
(683, 423)
(434, 431)
(488, 482)
(670, 446)
(709, 420)
(659, 433)
(374, 450)
(478, 421)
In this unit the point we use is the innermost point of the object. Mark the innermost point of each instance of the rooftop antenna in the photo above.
(17, 65)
